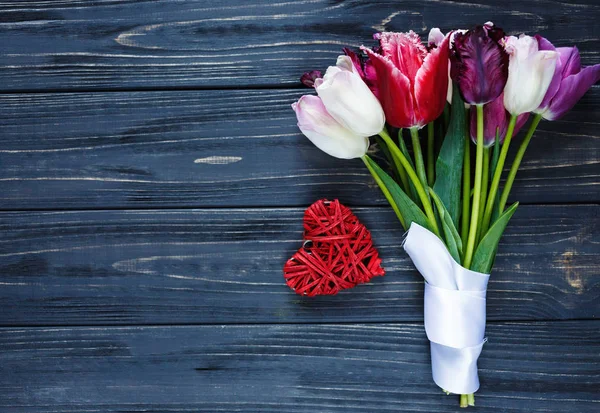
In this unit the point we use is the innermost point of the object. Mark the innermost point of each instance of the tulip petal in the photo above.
(571, 90)
(544, 44)
(432, 77)
(308, 78)
(394, 91)
(405, 50)
(568, 63)
(325, 132)
(570, 60)
(350, 102)
(529, 79)
(435, 38)
(479, 66)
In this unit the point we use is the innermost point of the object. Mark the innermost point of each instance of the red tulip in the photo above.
(411, 81)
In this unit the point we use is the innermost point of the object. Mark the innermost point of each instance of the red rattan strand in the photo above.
(340, 255)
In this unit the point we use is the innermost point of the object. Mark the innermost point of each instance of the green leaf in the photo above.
(453, 241)
(448, 168)
(410, 211)
(486, 251)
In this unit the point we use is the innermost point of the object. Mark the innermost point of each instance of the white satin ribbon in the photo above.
(454, 311)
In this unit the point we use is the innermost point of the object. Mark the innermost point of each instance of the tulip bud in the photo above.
(530, 72)
(479, 64)
(569, 83)
(325, 132)
(349, 100)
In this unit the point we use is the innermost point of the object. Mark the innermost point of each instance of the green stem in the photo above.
(415, 180)
(466, 199)
(471, 399)
(484, 189)
(476, 190)
(517, 162)
(401, 171)
(464, 400)
(430, 154)
(402, 145)
(385, 191)
(487, 215)
(419, 163)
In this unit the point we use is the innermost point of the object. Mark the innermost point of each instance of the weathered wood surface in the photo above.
(119, 117)
(225, 266)
(532, 367)
(147, 44)
(226, 148)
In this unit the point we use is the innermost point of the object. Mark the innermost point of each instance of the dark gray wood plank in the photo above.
(124, 43)
(225, 266)
(537, 367)
(226, 148)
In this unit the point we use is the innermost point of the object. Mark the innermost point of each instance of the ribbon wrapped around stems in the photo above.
(454, 311)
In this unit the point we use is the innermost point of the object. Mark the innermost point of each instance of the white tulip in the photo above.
(349, 100)
(530, 72)
(325, 132)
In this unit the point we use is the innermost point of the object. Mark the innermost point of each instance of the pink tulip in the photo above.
(325, 132)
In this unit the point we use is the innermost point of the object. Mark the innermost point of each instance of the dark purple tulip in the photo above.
(570, 81)
(495, 116)
(479, 64)
(308, 78)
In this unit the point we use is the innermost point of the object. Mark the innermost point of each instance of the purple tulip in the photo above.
(495, 116)
(570, 81)
(479, 64)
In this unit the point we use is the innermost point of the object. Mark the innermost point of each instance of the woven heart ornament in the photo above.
(338, 252)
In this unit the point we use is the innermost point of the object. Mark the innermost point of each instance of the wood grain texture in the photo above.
(226, 148)
(539, 367)
(225, 266)
(127, 44)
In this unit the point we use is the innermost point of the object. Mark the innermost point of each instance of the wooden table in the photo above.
(152, 185)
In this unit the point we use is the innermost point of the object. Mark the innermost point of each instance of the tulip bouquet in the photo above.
(478, 86)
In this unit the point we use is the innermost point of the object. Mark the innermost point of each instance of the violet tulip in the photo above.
(349, 100)
(409, 79)
(530, 72)
(325, 132)
(479, 64)
(570, 81)
(495, 118)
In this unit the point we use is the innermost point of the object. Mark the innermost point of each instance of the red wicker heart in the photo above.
(338, 252)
